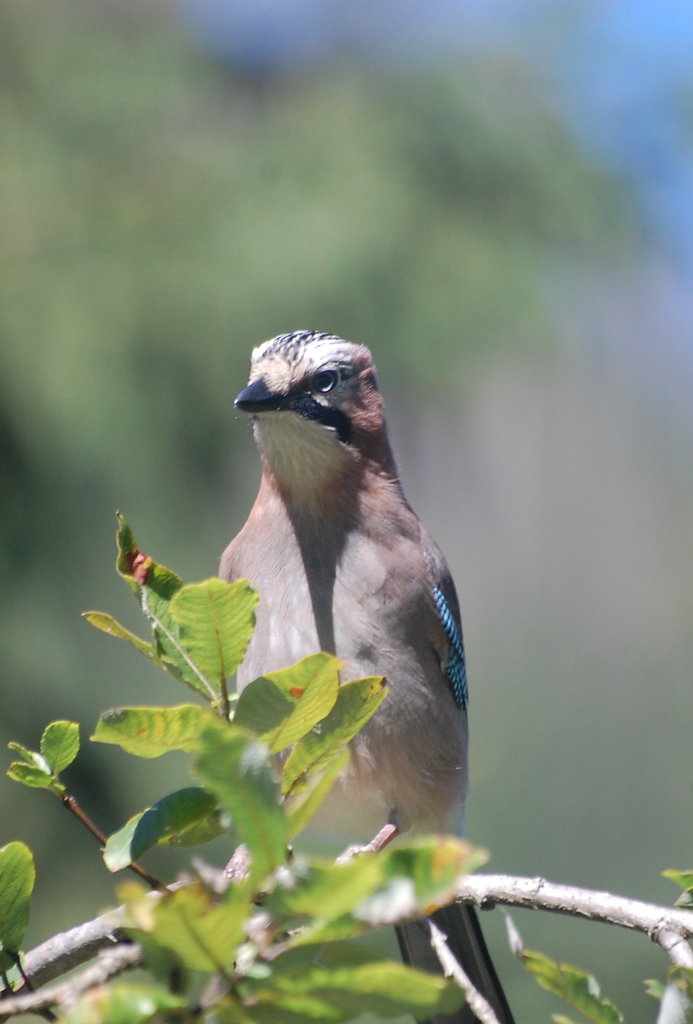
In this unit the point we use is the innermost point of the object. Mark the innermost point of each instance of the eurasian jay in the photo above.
(343, 564)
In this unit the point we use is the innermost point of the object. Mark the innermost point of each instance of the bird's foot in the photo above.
(385, 836)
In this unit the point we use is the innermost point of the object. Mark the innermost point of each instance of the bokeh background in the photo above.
(497, 197)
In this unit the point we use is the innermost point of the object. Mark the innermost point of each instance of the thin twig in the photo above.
(481, 1009)
(70, 802)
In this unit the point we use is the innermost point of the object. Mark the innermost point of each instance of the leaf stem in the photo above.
(225, 702)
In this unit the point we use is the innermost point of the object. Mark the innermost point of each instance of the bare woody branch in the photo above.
(669, 927)
(70, 949)
(64, 995)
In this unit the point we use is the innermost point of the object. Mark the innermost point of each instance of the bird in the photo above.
(343, 564)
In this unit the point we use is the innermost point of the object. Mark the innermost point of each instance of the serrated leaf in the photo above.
(172, 816)
(237, 768)
(107, 624)
(216, 621)
(124, 1003)
(356, 702)
(386, 989)
(151, 732)
(17, 877)
(284, 705)
(202, 930)
(31, 775)
(60, 745)
(302, 807)
(579, 989)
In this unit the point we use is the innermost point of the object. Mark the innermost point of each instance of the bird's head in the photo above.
(316, 407)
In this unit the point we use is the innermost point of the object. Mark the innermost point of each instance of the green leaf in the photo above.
(32, 757)
(151, 732)
(338, 900)
(201, 831)
(654, 987)
(31, 775)
(17, 877)
(356, 702)
(387, 989)
(183, 813)
(236, 767)
(170, 649)
(60, 745)
(29, 755)
(419, 878)
(34, 770)
(155, 586)
(302, 807)
(323, 891)
(124, 1003)
(578, 988)
(201, 929)
(107, 624)
(216, 621)
(284, 705)
(138, 569)
(684, 880)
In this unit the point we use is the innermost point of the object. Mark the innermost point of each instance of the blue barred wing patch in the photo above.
(455, 667)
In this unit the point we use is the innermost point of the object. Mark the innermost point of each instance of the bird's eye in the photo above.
(325, 381)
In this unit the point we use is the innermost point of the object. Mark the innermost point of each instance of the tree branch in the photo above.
(481, 1009)
(669, 927)
(109, 963)
(70, 949)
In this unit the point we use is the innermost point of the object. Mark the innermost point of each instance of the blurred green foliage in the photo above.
(161, 215)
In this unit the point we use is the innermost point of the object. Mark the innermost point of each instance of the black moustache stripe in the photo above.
(309, 409)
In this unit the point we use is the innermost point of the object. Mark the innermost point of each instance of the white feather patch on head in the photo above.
(286, 360)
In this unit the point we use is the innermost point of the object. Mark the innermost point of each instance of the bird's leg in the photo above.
(380, 840)
(383, 838)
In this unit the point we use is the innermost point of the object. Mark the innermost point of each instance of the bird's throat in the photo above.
(305, 457)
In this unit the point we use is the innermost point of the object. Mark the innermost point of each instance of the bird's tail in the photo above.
(460, 925)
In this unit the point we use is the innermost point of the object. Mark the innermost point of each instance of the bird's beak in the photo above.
(257, 397)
